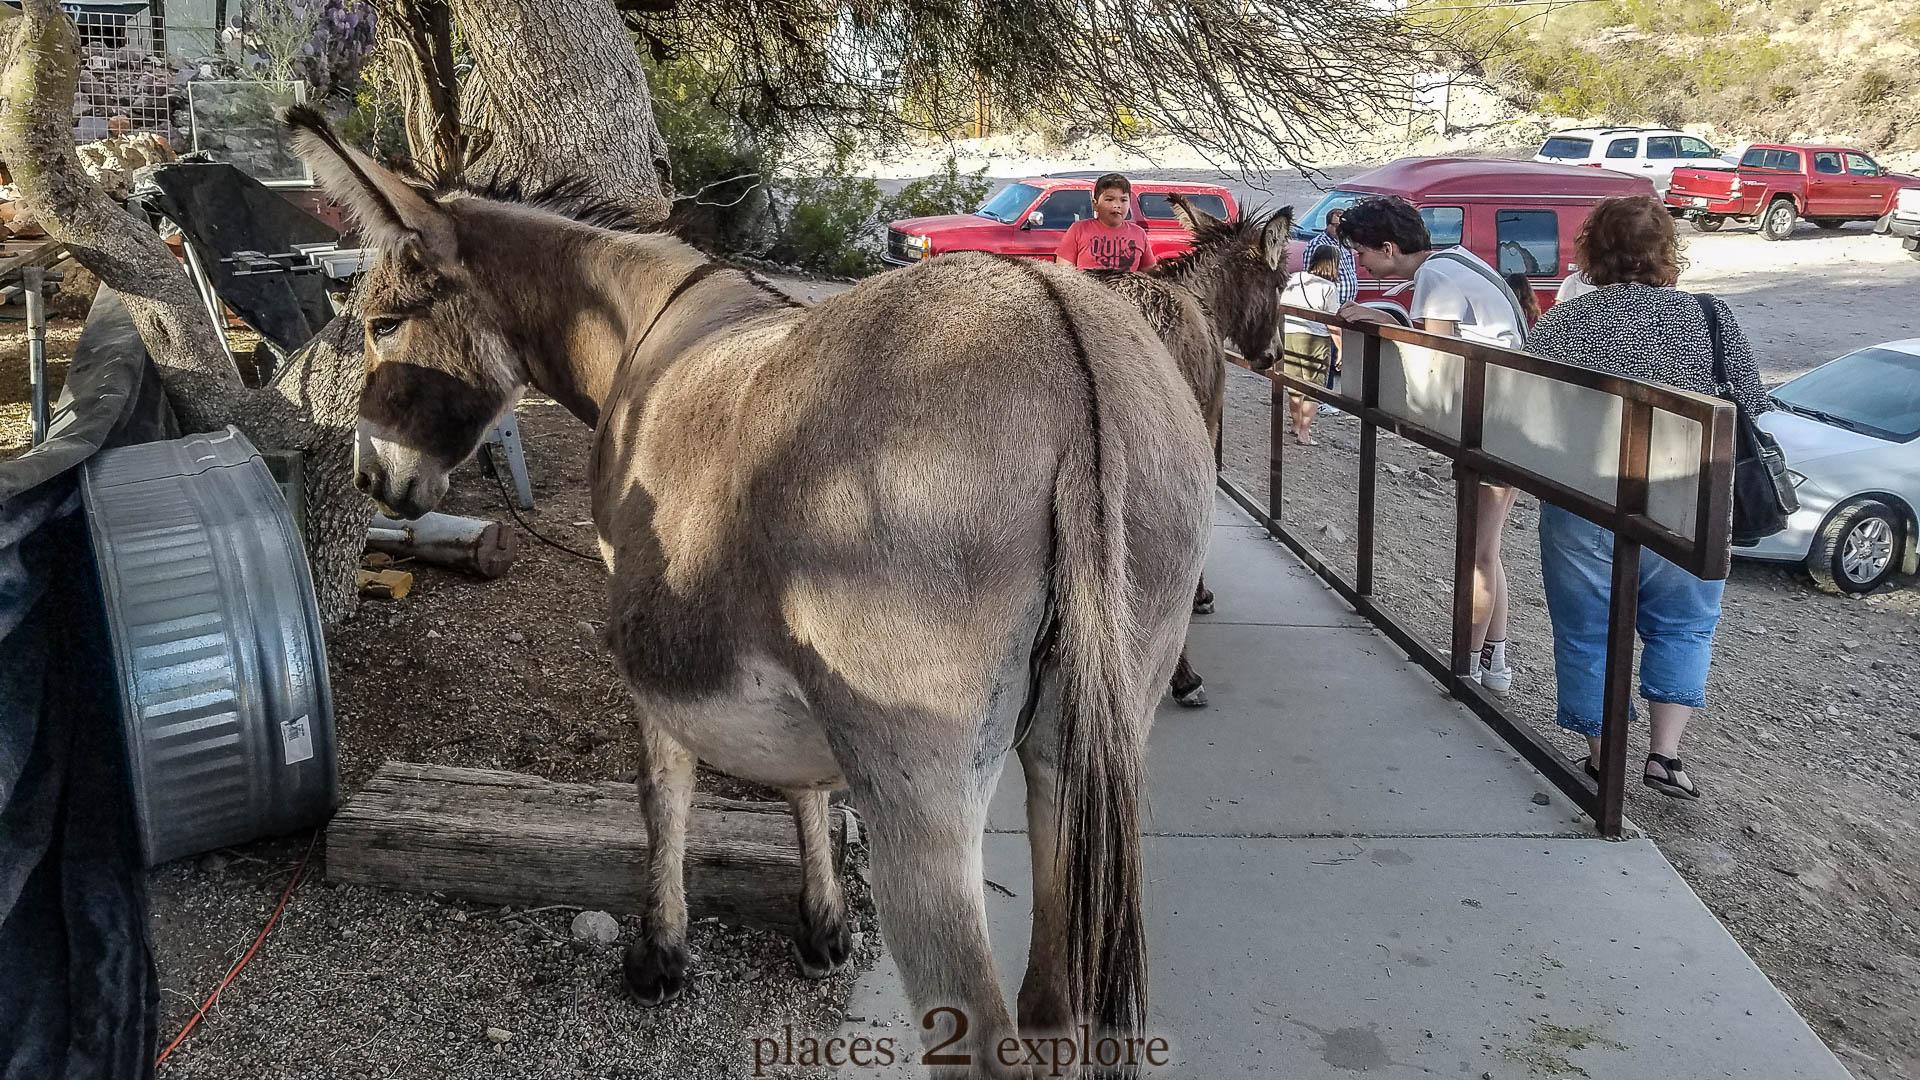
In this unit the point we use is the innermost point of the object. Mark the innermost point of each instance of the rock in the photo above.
(1540, 799)
(596, 927)
(515, 637)
(213, 862)
(498, 1035)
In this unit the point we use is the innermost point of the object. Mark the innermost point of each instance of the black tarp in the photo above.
(78, 995)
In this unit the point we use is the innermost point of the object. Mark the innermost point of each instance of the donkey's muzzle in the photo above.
(403, 481)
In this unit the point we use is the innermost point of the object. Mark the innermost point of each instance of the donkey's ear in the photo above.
(392, 214)
(1189, 215)
(1276, 236)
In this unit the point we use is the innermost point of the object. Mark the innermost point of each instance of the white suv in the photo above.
(1650, 152)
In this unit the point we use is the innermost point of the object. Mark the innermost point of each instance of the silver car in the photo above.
(1850, 430)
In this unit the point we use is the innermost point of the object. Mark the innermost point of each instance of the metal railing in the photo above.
(1688, 524)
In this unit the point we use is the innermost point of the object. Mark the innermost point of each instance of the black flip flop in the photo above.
(1586, 766)
(1665, 785)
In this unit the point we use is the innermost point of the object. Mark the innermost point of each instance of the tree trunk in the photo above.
(429, 87)
(560, 87)
(312, 404)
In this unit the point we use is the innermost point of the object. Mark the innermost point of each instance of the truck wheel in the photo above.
(1778, 222)
(1827, 223)
(1708, 222)
(1858, 548)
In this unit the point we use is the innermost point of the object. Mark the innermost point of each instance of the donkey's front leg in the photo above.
(823, 943)
(656, 962)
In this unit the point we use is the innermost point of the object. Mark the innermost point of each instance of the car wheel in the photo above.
(1779, 220)
(1709, 222)
(1858, 548)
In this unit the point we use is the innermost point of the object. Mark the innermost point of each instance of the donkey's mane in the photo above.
(1245, 230)
(575, 198)
(571, 196)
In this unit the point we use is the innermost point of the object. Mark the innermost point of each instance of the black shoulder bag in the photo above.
(1763, 497)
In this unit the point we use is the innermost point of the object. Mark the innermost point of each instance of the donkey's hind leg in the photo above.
(1187, 686)
(823, 943)
(656, 962)
(928, 884)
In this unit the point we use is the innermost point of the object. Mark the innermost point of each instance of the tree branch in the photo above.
(312, 404)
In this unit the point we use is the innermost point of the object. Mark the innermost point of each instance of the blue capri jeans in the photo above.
(1678, 613)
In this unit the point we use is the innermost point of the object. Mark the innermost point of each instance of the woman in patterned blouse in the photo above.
(1635, 323)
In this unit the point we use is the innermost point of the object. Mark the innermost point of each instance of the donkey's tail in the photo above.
(1102, 725)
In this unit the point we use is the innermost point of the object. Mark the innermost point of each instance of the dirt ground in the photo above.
(1805, 844)
(501, 675)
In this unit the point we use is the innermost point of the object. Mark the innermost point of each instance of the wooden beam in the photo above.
(509, 838)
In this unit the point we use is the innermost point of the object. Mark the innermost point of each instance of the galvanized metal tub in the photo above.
(216, 634)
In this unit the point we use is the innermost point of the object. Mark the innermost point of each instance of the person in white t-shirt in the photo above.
(1310, 347)
(1575, 285)
(1455, 294)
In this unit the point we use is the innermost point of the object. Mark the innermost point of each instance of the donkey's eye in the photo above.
(383, 326)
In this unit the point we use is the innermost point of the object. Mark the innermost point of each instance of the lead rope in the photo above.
(486, 451)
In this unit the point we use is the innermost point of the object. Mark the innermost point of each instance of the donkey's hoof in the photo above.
(656, 972)
(1195, 697)
(1203, 606)
(820, 952)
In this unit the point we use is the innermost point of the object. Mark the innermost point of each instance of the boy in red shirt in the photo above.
(1107, 241)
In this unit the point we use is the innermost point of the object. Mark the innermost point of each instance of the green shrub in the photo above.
(829, 220)
(1872, 87)
(720, 168)
(950, 191)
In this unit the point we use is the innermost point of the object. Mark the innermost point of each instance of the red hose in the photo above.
(299, 870)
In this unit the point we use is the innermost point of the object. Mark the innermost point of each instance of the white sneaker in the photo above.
(1498, 680)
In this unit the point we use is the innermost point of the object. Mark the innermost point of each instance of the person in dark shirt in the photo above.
(1635, 323)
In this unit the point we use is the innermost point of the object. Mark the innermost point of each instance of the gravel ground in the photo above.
(1807, 842)
(363, 982)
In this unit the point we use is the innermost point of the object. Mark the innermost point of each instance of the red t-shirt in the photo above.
(1090, 245)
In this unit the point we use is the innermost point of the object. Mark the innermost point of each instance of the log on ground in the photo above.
(508, 838)
(475, 545)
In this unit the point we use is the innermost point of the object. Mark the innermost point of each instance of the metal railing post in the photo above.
(33, 283)
(1369, 441)
(1276, 438)
(1623, 611)
(1466, 546)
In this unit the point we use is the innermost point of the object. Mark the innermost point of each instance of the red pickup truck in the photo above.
(1778, 184)
(1028, 218)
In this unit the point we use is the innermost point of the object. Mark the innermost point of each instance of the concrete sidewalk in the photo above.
(1349, 874)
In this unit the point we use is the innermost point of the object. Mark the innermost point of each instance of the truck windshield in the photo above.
(1315, 220)
(1874, 391)
(1444, 223)
(1008, 203)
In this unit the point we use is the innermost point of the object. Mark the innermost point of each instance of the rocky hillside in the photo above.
(1739, 71)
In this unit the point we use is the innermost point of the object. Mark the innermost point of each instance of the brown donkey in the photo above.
(1226, 289)
(882, 542)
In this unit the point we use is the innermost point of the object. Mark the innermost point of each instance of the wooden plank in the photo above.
(509, 838)
(16, 255)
